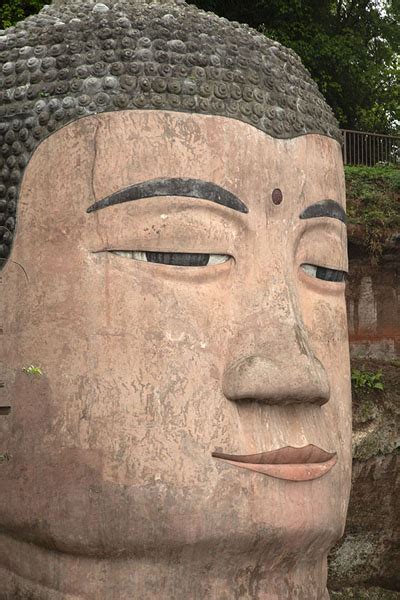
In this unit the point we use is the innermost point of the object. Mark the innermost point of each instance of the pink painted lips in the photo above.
(292, 464)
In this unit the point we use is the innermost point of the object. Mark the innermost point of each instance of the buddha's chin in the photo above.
(256, 543)
(214, 568)
(140, 522)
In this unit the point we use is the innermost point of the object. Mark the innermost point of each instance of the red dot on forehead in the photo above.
(277, 196)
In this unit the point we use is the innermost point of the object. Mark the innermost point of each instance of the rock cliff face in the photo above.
(365, 565)
(373, 301)
(366, 562)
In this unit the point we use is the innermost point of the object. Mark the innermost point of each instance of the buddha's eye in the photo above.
(324, 273)
(178, 259)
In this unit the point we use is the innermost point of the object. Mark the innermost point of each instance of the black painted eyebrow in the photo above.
(173, 186)
(324, 208)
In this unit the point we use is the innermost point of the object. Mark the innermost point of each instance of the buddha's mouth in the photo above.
(292, 464)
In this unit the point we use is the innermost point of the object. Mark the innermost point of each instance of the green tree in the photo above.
(351, 48)
(12, 11)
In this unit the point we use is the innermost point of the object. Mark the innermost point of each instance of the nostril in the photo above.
(257, 378)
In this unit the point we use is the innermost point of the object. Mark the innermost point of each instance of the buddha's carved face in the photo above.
(200, 312)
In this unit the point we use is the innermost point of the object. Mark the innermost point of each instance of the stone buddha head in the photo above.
(173, 324)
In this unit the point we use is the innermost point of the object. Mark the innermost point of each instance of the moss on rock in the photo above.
(369, 552)
(373, 207)
(376, 413)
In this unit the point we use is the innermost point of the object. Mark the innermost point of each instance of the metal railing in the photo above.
(363, 148)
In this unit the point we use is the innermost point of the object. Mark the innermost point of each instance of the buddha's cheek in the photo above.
(326, 322)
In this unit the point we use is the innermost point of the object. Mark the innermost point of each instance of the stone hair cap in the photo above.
(77, 58)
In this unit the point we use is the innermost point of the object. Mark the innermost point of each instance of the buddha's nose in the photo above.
(278, 366)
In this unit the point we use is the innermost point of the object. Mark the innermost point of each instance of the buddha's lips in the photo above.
(292, 464)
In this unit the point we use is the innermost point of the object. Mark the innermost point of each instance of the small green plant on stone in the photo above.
(4, 457)
(367, 380)
(32, 370)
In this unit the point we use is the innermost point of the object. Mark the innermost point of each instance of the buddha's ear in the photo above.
(14, 284)
(12, 277)
(3, 264)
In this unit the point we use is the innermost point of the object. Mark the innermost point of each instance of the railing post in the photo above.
(370, 151)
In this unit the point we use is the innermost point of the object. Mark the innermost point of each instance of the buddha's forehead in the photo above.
(168, 152)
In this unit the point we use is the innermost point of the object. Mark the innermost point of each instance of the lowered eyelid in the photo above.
(183, 259)
(321, 240)
(324, 273)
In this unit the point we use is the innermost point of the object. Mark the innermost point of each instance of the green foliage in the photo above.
(16, 10)
(373, 196)
(376, 414)
(367, 380)
(4, 457)
(32, 370)
(387, 176)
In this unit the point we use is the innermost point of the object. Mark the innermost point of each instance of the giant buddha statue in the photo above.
(174, 362)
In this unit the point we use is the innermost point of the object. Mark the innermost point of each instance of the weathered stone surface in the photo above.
(365, 594)
(113, 490)
(376, 414)
(373, 304)
(369, 553)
